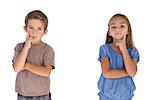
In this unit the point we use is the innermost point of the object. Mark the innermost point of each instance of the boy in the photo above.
(33, 60)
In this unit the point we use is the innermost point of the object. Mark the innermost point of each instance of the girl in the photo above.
(118, 57)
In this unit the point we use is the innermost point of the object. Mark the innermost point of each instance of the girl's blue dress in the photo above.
(116, 88)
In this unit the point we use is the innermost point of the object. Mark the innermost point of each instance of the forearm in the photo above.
(115, 73)
(39, 70)
(20, 60)
(130, 66)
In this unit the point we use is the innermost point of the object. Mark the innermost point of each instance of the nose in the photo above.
(34, 32)
(118, 28)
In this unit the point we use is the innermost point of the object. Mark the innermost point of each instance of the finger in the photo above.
(27, 37)
(117, 44)
(31, 39)
(124, 37)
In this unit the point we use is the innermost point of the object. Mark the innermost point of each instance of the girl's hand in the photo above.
(122, 44)
(28, 41)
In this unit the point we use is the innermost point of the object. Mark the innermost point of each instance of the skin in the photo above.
(35, 31)
(118, 29)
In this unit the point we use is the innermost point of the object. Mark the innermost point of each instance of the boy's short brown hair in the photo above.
(37, 14)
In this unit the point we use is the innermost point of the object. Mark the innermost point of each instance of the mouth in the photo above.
(119, 36)
(33, 36)
(118, 33)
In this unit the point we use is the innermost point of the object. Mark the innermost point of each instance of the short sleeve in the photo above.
(103, 52)
(49, 57)
(135, 54)
(17, 50)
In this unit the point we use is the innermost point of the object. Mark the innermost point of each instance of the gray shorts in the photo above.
(43, 97)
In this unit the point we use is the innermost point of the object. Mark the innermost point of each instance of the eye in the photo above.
(40, 28)
(30, 27)
(113, 27)
(122, 26)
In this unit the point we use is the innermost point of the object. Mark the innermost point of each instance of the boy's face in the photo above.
(35, 29)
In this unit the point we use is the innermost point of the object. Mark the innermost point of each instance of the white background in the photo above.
(76, 30)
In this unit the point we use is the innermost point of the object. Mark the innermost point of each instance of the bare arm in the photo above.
(39, 70)
(130, 64)
(111, 73)
(19, 62)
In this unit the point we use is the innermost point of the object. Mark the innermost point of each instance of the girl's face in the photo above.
(118, 28)
(35, 29)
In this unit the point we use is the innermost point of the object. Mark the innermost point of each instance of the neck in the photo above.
(116, 48)
(114, 45)
(114, 42)
(37, 42)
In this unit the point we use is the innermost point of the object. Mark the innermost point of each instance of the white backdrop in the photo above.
(76, 30)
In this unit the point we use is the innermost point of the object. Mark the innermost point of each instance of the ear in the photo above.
(45, 32)
(25, 28)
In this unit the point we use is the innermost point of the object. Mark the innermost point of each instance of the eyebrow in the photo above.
(123, 23)
(32, 26)
(119, 23)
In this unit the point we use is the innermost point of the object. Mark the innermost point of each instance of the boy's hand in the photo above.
(22, 69)
(28, 42)
(122, 44)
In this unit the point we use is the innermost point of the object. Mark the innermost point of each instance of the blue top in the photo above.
(116, 88)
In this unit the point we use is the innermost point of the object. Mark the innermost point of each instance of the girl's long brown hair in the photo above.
(129, 40)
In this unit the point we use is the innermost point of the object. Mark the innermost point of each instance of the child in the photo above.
(118, 57)
(33, 60)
